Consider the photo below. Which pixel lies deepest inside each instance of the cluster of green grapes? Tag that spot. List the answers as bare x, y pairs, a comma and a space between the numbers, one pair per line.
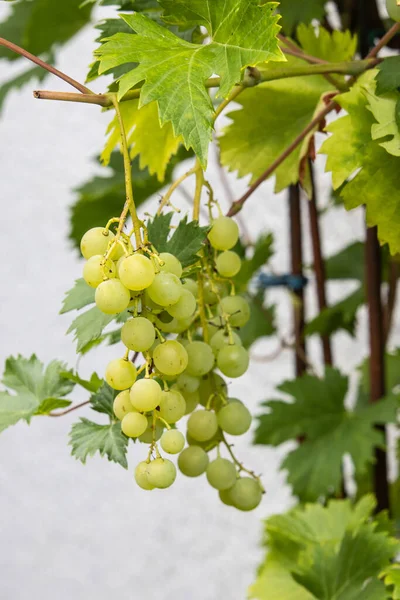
178, 375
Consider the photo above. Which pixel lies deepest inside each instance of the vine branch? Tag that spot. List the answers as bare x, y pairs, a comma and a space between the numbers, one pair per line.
68, 410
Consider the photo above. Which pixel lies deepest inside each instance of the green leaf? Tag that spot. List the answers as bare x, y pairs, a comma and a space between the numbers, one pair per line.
258, 133
91, 386
261, 322
331, 431
391, 577
295, 12
263, 250
384, 110
88, 327
38, 26
349, 263
87, 438
102, 401
335, 46
186, 241
367, 170
241, 34
77, 297
342, 315
392, 372
388, 76
37, 389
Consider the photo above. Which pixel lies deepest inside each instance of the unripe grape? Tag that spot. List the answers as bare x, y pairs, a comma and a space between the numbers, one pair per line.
96, 270
112, 297
188, 383
141, 476
171, 264
95, 241
210, 290
238, 308
224, 233
152, 306
221, 474
172, 406
212, 384
170, 358
166, 289
202, 425
246, 494
393, 8
234, 418
228, 264
173, 326
225, 497
185, 307
145, 395
122, 405
193, 461
138, 334
208, 444
233, 360
221, 339
192, 399
148, 436
161, 473
191, 285
200, 358
134, 424
136, 272
172, 441
120, 374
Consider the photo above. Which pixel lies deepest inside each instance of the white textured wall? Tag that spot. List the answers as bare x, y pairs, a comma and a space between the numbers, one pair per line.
73, 531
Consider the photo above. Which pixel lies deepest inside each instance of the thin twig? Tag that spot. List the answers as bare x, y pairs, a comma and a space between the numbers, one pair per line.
384, 40
44, 65
68, 410
240, 465
166, 198
99, 99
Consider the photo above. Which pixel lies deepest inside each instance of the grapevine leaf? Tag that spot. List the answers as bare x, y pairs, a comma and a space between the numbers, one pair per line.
159, 230
348, 263
367, 170
37, 389
391, 577
342, 315
392, 374
87, 438
261, 322
186, 241
51, 404
277, 583
258, 133
318, 413
295, 12
91, 385
146, 138
38, 26
384, 110
388, 76
241, 32
77, 297
88, 327
102, 400
263, 250
335, 46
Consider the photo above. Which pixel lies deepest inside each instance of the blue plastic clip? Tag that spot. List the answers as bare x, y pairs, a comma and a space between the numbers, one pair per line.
293, 282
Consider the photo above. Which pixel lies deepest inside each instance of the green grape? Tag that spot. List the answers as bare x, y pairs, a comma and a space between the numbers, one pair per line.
185, 307
172, 441
200, 358
171, 264
221, 339
193, 461
147, 436
141, 476
120, 374
233, 360
191, 285
153, 347
122, 405
96, 269
225, 497
202, 425
215, 325
170, 358
238, 308
136, 272
95, 241
212, 384
138, 334
161, 473
246, 494
211, 291
192, 400
152, 306
207, 445
393, 8
172, 406
166, 289
112, 297
145, 395
224, 233
234, 418
133, 424
173, 326
221, 474
228, 264
188, 383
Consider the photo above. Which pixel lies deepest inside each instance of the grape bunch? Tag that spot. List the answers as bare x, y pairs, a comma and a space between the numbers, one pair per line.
185, 326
